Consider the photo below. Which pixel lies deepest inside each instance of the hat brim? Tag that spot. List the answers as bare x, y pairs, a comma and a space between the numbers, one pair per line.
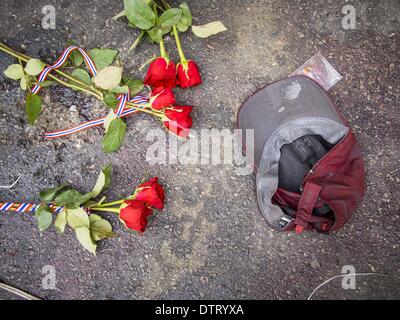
282, 101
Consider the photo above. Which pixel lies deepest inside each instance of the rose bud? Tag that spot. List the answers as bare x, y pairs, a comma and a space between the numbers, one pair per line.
188, 74
178, 120
151, 193
133, 215
161, 98
161, 73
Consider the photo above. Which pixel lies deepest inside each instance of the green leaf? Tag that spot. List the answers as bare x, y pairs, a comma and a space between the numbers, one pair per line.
108, 78
155, 34
61, 221
114, 136
100, 229
170, 17
34, 67
71, 198
48, 195
94, 217
186, 18
83, 235
107, 170
23, 83
77, 218
182, 27
81, 75
76, 58
209, 29
102, 57
103, 181
14, 71
135, 85
120, 89
186, 14
139, 13
110, 100
110, 117
33, 107
44, 217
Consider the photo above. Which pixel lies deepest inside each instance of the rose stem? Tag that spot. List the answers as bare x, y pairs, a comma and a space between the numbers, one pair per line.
110, 204
113, 210
166, 5
176, 35
179, 46
154, 113
159, 7
163, 52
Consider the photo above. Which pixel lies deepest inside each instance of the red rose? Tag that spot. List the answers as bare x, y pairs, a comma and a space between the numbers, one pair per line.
163, 97
188, 74
178, 120
134, 215
161, 73
151, 193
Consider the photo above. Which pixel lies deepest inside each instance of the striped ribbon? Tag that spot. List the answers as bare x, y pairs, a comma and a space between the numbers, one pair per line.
121, 111
26, 207
89, 63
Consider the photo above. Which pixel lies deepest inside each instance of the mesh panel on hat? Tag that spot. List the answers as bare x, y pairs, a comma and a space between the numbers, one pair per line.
267, 174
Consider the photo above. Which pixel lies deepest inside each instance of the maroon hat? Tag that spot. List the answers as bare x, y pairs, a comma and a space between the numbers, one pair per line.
309, 167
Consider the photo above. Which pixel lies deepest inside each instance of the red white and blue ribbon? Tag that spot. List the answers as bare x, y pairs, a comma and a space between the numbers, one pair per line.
121, 111
26, 207
89, 63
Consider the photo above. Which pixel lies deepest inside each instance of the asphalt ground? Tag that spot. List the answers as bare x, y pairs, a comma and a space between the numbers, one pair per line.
211, 241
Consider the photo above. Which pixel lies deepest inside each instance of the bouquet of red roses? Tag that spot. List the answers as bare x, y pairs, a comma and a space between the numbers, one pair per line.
163, 75
76, 210
102, 80
103, 77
